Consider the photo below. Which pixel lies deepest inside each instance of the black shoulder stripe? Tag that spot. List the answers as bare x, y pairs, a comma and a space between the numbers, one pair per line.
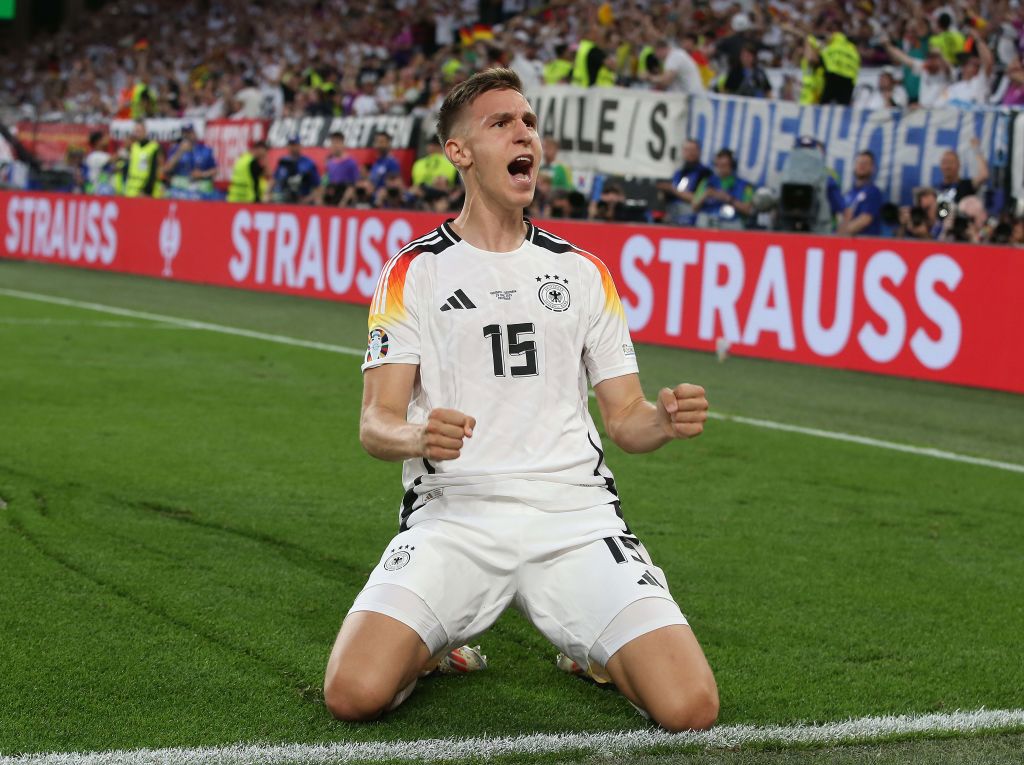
433, 242
551, 242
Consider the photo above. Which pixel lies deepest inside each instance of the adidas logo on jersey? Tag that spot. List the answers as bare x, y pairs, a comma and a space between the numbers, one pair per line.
458, 301
648, 578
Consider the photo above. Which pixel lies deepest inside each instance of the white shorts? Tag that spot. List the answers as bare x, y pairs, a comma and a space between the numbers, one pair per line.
570, 573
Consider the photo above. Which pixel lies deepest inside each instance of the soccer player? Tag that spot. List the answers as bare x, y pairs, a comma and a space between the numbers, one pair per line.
484, 334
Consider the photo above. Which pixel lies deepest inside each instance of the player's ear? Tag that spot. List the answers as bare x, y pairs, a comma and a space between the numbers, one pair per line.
458, 153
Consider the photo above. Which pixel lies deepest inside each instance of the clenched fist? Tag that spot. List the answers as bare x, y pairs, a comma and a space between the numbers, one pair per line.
444, 433
683, 410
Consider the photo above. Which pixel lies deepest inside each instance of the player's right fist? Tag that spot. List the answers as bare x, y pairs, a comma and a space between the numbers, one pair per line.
444, 433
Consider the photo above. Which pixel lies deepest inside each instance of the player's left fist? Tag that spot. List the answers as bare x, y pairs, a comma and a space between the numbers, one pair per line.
683, 410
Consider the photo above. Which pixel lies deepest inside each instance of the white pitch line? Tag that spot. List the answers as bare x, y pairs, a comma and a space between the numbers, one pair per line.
921, 451
190, 323
726, 737
47, 322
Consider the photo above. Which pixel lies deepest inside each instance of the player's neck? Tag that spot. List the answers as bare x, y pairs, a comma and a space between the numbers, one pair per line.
490, 228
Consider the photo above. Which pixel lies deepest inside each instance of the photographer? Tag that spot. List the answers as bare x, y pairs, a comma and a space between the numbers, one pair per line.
922, 220
723, 200
296, 179
968, 222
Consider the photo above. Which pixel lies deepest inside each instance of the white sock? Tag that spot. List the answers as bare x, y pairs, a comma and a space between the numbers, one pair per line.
401, 696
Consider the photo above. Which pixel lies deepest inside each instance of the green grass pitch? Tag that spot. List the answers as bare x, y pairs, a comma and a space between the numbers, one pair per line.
187, 515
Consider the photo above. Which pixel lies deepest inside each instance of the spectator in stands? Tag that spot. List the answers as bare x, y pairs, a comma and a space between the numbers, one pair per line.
933, 73
365, 103
97, 164
561, 175
248, 101
723, 200
296, 179
681, 190
141, 174
862, 204
974, 84
679, 73
914, 43
747, 78
247, 177
385, 165
526, 62
742, 31
953, 188
889, 94
841, 61
190, 167
341, 170
1013, 95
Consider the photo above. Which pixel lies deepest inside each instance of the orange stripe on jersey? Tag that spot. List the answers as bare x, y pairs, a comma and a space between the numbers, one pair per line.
388, 304
612, 304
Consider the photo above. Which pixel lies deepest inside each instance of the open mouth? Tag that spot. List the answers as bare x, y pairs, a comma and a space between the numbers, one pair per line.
521, 168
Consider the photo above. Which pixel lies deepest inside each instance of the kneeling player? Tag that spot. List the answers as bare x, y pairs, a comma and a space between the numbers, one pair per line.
484, 334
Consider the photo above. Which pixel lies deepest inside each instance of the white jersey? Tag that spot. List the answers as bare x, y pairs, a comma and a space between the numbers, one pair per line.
511, 339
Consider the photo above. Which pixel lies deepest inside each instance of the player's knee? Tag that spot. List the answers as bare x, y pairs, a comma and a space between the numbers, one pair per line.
696, 709
352, 699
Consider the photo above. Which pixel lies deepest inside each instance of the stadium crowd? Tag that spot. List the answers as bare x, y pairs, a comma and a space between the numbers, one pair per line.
215, 59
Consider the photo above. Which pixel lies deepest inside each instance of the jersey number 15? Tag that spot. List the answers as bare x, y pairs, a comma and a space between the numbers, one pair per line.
516, 347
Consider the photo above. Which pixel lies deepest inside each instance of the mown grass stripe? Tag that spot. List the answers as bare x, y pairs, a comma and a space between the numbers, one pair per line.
726, 737
921, 451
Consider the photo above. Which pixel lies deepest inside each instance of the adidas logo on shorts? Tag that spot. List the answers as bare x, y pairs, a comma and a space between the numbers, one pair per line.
458, 301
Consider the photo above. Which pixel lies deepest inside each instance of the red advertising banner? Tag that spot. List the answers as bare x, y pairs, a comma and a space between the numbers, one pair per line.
229, 140
928, 310
50, 141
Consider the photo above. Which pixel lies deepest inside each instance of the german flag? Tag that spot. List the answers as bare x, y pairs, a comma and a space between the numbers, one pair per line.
471, 34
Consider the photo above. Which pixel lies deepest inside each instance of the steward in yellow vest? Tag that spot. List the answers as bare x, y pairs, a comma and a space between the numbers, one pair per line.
558, 69
247, 182
589, 67
841, 60
142, 173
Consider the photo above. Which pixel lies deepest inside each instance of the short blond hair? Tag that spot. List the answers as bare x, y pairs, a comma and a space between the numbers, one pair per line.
466, 92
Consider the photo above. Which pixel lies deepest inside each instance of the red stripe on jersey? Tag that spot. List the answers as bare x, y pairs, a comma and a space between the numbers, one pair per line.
612, 304
389, 299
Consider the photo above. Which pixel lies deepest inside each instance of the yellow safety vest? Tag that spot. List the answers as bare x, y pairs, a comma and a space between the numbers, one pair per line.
241, 188
841, 57
812, 82
141, 158
580, 74
950, 43
556, 70
138, 107
426, 169
605, 77
643, 61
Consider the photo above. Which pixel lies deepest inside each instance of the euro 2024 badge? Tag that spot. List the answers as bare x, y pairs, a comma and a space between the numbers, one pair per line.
554, 292
170, 239
377, 345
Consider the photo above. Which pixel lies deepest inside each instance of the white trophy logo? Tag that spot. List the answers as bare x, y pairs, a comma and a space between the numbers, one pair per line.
170, 239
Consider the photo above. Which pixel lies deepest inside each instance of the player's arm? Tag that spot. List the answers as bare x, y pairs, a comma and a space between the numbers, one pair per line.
636, 425
385, 432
